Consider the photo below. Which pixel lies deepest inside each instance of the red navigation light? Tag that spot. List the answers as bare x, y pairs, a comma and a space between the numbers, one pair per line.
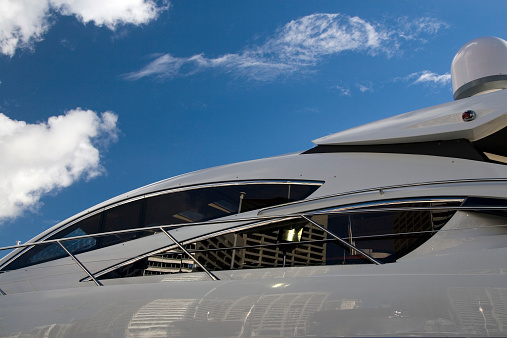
468, 116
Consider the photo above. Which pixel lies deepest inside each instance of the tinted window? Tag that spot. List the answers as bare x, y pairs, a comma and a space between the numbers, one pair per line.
47, 252
125, 216
199, 204
385, 236
205, 204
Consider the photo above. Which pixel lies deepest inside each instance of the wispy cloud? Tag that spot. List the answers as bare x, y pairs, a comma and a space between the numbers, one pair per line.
298, 46
418, 28
428, 77
344, 90
24, 22
366, 86
305, 41
40, 158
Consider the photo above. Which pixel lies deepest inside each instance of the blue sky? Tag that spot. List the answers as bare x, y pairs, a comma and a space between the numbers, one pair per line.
98, 97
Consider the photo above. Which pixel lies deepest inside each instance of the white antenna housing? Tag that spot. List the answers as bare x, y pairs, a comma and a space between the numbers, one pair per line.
480, 66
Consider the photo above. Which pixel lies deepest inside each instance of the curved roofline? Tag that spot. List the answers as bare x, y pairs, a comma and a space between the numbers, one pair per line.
437, 123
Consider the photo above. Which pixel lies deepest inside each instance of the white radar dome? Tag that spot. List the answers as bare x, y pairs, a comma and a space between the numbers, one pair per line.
480, 66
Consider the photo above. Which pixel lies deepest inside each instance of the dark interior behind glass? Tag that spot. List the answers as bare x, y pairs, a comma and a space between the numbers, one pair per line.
384, 235
192, 205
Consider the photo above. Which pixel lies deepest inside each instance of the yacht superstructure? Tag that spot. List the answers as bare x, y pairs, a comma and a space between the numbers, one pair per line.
394, 228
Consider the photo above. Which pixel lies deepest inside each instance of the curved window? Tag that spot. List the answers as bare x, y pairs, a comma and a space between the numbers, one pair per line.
44, 253
385, 235
171, 207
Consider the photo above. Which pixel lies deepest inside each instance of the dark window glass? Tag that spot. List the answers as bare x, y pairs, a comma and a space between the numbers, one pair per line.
193, 205
122, 217
384, 236
47, 252
208, 203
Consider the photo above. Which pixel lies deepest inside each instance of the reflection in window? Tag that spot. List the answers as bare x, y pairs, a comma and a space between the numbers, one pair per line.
384, 235
199, 205
125, 216
183, 206
47, 252
74, 246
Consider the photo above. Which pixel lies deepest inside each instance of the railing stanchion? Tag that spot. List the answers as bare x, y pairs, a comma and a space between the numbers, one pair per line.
342, 241
189, 255
80, 265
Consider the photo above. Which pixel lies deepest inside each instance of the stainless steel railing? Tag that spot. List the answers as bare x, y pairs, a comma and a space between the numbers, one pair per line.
164, 230
254, 221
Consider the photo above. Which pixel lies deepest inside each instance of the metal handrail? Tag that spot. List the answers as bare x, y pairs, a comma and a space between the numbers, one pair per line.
259, 216
342, 240
80, 216
165, 249
156, 227
161, 228
254, 219
245, 219
188, 253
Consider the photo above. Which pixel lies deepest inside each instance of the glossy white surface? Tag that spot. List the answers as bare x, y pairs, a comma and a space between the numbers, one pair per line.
479, 58
442, 122
463, 295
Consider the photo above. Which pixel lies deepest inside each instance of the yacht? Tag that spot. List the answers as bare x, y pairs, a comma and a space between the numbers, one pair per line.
394, 228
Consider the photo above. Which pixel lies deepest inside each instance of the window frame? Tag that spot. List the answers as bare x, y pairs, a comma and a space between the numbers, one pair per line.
144, 198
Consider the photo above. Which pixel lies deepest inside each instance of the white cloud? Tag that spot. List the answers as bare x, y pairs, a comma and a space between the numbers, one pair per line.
365, 86
343, 90
307, 40
427, 77
297, 46
110, 13
44, 157
24, 22
415, 28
